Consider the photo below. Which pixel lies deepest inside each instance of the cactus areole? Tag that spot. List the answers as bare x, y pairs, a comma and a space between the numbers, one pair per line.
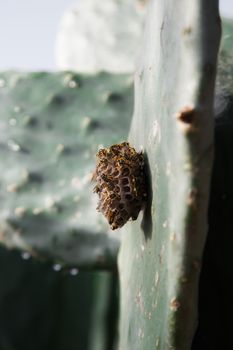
120, 185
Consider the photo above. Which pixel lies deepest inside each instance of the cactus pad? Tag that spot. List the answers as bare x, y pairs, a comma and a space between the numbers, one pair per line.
51, 126
161, 252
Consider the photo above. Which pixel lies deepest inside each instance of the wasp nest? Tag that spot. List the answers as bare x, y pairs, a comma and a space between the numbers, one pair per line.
120, 183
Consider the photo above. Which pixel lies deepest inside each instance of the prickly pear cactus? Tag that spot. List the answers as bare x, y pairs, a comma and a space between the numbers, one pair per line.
227, 33
51, 128
160, 255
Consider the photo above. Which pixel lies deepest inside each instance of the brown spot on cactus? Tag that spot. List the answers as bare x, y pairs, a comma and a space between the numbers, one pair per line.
186, 115
192, 198
174, 304
187, 30
120, 183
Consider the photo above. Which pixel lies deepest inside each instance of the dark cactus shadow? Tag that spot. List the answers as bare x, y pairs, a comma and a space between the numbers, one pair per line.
147, 224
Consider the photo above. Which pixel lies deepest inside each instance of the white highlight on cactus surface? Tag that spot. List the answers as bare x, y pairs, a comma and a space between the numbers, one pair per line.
60, 148
37, 211
77, 215
76, 199
13, 146
61, 183
155, 304
155, 134
57, 267
80, 183
141, 148
49, 202
174, 304
74, 271
25, 255
12, 188
12, 122
68, 78
76, 182
140, 333
168, 168
86, 122
17, 109
156, 278
20, 211
173, 237
72, 84
87, 154
2, 83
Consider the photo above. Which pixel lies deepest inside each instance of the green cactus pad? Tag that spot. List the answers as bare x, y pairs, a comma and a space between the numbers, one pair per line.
160, 255
51, 128
227, 34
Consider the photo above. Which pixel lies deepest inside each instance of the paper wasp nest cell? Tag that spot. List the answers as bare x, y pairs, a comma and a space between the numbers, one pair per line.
120, 185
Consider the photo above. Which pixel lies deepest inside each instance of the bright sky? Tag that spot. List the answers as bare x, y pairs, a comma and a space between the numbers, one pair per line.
28, 29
